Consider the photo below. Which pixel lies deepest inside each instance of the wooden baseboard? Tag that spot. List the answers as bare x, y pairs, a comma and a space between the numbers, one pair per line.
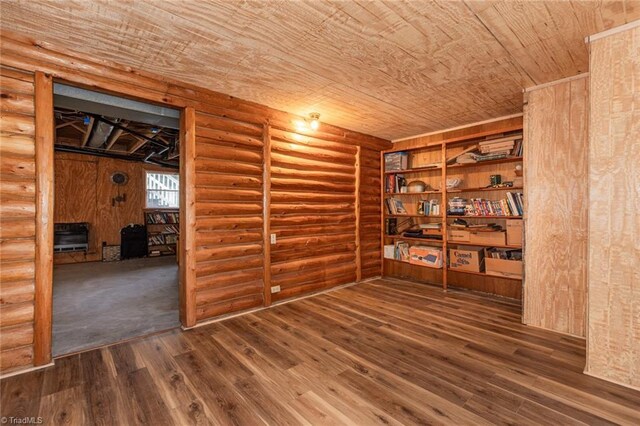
26, 370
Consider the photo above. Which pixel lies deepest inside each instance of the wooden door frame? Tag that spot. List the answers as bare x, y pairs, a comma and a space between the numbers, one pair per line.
44, 159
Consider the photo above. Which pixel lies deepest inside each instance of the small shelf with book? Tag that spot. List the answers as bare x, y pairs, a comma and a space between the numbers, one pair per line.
481, 176
163, 230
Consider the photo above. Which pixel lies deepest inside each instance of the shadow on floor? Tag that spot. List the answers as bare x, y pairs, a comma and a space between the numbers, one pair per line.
99, 303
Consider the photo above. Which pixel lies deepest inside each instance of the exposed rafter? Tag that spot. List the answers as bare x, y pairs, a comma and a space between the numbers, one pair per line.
115, 135
87, 132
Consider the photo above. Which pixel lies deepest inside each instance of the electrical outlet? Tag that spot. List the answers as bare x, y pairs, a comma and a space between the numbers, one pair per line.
275, 289
273, 240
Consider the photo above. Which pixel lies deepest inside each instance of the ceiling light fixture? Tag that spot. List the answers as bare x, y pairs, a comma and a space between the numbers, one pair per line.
314, 120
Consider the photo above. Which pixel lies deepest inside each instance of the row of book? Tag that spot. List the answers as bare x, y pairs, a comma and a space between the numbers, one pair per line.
511, 205
171, 229
162, 239
429, 207
393, 183
394, 206
162, 217
494, 149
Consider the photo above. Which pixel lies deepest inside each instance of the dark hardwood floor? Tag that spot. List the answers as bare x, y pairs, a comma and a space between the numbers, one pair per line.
387, 352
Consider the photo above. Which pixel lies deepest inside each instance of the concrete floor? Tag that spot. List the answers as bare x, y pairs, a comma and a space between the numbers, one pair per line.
99, 303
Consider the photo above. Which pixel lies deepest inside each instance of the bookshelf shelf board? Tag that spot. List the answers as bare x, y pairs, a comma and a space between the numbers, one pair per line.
483, 163
409, 263
484, 217
505, 188
484, 274
422, 240
412, 193
463, 243
413, 215
413, 170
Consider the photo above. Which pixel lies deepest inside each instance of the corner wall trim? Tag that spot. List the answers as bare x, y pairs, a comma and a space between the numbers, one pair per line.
553, 83
464, 126
615, 30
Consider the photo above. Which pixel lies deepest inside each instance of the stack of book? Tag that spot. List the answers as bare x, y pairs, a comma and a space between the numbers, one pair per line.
401, 251
394, 206
393, 183
396, 161
492, 149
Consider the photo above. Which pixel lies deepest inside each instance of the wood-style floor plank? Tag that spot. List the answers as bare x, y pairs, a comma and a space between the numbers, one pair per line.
386, 352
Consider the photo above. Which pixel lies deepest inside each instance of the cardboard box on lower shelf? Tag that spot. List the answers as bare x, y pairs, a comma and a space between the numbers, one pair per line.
425, 256
467, 258
514, 232
503, 267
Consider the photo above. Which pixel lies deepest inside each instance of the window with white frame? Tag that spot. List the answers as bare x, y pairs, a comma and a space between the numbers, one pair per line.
163, 190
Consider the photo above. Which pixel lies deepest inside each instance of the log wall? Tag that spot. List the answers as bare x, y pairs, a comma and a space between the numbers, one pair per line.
613, 328
370, 213
313, 214
313, 180
556, 193
17, 218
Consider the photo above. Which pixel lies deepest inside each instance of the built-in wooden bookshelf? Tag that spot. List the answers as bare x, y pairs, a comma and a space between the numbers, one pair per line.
163, 228
475, 184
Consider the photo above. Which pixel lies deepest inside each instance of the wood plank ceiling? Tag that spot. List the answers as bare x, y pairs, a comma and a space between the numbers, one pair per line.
387, 68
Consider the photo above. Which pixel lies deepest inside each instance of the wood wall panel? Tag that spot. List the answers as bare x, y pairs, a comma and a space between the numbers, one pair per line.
370, 212
556, 193
229, 259
613, 333
231, 117
17, 218
313, 186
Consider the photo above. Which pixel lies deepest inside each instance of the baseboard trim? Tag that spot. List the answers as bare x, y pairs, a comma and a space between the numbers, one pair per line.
282, 302
26, 370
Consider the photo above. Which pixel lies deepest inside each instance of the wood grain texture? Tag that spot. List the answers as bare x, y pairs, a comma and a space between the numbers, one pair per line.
370, 214
188, 237
17, 219
44, 139
215, 294
556, 193
384, 352
613, 329
373, 66
300, 258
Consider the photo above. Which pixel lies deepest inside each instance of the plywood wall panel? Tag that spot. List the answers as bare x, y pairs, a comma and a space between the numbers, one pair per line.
556, 193
17, 218
613, 336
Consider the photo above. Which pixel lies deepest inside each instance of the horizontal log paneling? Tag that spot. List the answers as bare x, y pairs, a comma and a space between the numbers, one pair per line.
370, 212
313, 212
17, 222
229, 246
230, 131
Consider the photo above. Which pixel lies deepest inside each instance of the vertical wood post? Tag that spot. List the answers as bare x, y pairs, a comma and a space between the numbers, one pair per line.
266, 211
358, 247
443, 213
44, 140
187, 217
383, 229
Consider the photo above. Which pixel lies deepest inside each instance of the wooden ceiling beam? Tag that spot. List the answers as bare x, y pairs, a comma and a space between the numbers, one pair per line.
114, 136
67, 123
87, 132
142, 141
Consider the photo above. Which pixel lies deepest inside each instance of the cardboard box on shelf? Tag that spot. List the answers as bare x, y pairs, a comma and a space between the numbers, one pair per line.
489, 238
514, 232
467, 258
458, 235
503, 267
425, 256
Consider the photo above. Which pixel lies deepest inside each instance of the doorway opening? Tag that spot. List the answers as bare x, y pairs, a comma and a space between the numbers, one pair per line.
117, 215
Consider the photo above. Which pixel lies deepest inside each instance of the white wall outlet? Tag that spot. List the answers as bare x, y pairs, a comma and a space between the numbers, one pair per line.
275, 289
273, 238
